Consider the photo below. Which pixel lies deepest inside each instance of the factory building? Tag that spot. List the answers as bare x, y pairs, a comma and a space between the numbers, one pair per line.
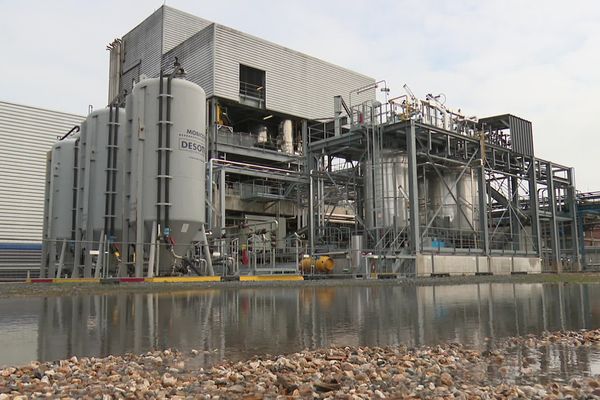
222, 153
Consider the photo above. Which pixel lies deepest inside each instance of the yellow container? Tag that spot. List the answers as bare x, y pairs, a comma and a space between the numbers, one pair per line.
325, 264
306, 263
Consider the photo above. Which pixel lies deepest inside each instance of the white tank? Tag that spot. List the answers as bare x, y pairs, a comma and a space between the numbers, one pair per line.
105, 151
62, 183
386, 191
262, 134
182, 188
287, 137
453, 198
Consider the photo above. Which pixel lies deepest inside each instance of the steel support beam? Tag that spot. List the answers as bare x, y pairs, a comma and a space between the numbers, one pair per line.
554, 239
515, 223
483, 214
572, 199
413, 191
534, 207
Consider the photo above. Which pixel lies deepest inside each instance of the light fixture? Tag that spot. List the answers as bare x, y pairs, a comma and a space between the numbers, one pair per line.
268, 117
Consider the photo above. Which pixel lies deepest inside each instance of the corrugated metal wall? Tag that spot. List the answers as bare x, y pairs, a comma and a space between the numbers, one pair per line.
196, 57
179, 26
26, 135
296, 84
142, 50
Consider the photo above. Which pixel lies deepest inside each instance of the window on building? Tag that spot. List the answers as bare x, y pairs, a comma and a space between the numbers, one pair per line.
252, 86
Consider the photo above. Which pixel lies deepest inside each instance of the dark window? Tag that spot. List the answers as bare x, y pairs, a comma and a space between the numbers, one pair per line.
252, 86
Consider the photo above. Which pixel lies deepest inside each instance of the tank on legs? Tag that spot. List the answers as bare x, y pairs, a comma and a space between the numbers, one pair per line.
61, 205
104, 157
386, 191
168, 161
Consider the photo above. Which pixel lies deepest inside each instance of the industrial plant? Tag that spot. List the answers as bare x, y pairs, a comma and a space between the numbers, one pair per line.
222, 154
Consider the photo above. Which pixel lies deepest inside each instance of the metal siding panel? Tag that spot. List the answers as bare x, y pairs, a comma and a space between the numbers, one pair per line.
179, 26
26, 135
522, 135
296, 83
143, 44
196, 57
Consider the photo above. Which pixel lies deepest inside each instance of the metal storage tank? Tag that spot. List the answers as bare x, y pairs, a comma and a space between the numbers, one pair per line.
168, 161
61, 199
102, 179
386, 186
452, 198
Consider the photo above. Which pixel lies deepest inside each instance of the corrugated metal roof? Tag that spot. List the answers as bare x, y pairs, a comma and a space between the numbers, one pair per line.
26, 135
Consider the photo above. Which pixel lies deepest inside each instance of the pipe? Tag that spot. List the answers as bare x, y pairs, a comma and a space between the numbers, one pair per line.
207, 255
160, 151
176, 70
114, 171
107, 195
75, 128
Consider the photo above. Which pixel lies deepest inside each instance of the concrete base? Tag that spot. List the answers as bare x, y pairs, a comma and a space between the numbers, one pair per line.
437, 264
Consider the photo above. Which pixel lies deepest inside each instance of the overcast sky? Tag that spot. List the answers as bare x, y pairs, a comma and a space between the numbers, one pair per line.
539, 60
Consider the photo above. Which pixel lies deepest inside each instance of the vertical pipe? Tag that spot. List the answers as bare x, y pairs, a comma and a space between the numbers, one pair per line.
168, 147
151, 257
160, 152
100, 258
115, 151
88, 235
483, 215
108, 174
222, 200
139, 195
311, 213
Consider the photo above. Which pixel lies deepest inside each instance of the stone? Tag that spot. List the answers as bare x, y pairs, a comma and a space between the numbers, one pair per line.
168, 380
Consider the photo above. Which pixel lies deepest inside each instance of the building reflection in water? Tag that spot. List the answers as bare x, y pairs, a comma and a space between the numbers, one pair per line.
239, 323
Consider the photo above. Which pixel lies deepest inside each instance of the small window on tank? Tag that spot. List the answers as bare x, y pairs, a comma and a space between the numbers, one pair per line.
252, 86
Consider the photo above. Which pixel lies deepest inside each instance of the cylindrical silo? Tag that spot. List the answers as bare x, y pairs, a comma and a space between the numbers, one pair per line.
105, 153
386, 191
454, 194
168, 160
61, 200
100, 187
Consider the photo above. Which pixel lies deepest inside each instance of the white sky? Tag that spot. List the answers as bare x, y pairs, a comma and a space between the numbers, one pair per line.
539, 60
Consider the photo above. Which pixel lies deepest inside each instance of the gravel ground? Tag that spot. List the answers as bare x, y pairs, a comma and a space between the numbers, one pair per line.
440, 372
41, 289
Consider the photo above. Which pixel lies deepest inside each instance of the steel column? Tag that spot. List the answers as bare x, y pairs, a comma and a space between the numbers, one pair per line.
555, 243
534, 207
413, 191
572, 199
515, 224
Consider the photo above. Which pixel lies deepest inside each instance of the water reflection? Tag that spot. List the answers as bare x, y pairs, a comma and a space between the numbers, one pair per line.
238, 323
